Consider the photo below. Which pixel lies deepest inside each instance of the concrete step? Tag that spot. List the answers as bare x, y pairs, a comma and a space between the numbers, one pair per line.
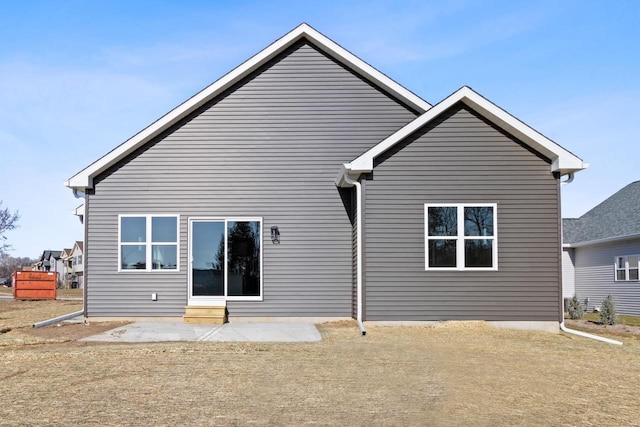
205, 315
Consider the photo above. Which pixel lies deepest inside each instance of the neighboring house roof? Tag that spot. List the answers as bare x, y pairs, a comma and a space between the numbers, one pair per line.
79, 244
66, 253
84, 179
562, 160
618, 217
45, 255
570, 230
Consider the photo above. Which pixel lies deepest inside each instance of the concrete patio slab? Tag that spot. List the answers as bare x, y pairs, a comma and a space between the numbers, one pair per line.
265, 332
237, 332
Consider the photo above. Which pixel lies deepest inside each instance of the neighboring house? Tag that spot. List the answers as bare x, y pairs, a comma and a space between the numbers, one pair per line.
44, 263
55, 264
307, 184
67, 267
50, 261
601, 252
77, 265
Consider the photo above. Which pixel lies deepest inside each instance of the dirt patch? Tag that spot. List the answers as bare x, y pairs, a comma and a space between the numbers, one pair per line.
435, 375
17, 314
597, 328
442, 374
71, 331
17, 319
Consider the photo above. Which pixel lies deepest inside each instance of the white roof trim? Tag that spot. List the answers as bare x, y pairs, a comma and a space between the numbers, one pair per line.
79, 211
84, 179
562, 160
601, 241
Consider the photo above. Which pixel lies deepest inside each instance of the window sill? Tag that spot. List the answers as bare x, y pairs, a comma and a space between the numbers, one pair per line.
136, 271
461, 269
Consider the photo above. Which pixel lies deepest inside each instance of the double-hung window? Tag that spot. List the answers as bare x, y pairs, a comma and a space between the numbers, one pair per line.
461, 236
148, 242
626, 267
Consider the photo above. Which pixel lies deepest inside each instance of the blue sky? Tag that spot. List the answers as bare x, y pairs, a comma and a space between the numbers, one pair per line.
77, 78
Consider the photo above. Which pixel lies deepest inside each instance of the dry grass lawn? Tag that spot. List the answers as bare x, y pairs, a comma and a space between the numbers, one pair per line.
450, 374
60, 293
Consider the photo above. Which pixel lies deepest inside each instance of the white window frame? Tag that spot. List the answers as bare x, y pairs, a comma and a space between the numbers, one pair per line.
148, 243
626, 268
460, 237
194, 300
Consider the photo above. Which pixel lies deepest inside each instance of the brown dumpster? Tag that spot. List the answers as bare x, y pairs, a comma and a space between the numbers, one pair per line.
34, 285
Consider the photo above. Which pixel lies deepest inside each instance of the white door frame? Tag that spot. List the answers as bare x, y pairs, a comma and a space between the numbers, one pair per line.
219, 300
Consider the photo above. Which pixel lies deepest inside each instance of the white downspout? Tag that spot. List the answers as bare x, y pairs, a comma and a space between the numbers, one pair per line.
584, 334
357, 184
562, 325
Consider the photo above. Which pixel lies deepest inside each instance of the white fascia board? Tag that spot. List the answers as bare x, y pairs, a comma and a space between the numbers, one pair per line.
562, 160
84, 178
79, 211
346, 171
601, 241
340, 181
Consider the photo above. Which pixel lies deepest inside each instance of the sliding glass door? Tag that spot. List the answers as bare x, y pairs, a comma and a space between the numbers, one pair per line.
226, 259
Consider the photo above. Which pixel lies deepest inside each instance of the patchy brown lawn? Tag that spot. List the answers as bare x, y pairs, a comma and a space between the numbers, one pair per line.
447, 374
17, 319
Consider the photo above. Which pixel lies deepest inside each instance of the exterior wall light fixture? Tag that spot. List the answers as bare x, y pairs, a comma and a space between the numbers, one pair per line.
275, 234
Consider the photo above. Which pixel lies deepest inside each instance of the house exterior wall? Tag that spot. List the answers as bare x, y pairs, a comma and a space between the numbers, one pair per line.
78, 265
568, 273
271, 148
67, 269
460, 158
594, 273
57, 265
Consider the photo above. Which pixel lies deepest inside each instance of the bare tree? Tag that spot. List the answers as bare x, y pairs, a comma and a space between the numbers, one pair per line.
8, 221
9, 264
482, 220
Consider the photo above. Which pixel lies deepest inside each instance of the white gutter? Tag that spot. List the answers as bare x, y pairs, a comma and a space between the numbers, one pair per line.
599, 241
562, 325
569, 179
357, 184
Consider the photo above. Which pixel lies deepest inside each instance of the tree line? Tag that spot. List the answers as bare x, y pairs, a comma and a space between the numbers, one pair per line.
9, 264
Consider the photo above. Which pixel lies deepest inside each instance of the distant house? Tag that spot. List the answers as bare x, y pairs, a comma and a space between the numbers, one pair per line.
67, 267
56, 264
77, 265
601, 252
50, 260
47, 261
307, 184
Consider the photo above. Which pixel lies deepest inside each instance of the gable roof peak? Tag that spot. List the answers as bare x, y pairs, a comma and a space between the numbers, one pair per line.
84, 179
563, 161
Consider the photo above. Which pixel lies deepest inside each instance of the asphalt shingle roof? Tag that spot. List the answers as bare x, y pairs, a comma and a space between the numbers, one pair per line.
617, 216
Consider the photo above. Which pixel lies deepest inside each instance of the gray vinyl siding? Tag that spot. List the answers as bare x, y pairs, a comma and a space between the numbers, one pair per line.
460, 158
271, 148
568, 273
594, 266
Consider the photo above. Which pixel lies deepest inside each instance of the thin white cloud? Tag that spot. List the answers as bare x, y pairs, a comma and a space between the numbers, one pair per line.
418, 34
598, 129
